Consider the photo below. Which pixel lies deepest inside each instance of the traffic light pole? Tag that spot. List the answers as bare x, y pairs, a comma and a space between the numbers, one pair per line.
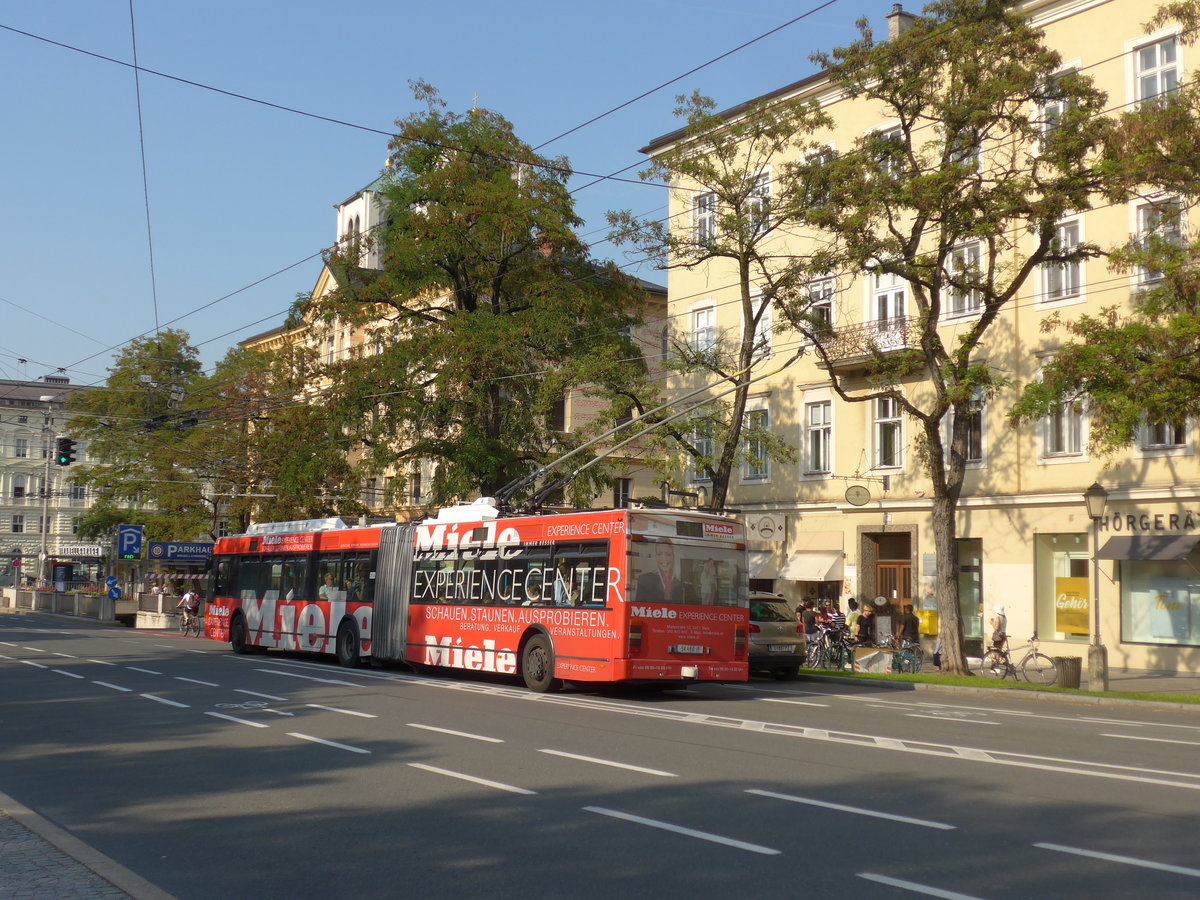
44, 558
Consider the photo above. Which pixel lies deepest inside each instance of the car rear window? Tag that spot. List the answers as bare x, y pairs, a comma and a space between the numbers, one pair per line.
762, 611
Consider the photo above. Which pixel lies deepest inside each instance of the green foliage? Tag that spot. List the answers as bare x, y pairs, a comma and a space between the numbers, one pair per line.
734, 161
487, 311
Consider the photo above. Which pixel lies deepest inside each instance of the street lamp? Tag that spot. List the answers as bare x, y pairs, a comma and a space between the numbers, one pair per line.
1095, 498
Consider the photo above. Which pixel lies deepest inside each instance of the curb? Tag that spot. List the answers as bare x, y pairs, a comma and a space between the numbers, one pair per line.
137, 887
1038, 696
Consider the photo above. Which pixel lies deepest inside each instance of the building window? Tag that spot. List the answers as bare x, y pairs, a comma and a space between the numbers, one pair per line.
704, 331
18, 487
1161, 220
704, 217
22, 448
963, 268
22, 420
974, 416
622, 492
887, 433
75, 525
78, 492
704, 445
758, 202
889, 299
820, 306
888, 147
1157, 69
819, 419
1160, 601
1164, 436
1062, 278
757, 424
1063, 430
556, 418
1054, 107
18, 524
664, 342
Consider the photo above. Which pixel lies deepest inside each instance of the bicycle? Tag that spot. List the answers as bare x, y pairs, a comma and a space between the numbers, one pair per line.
189, 623
1036, 667
908, 657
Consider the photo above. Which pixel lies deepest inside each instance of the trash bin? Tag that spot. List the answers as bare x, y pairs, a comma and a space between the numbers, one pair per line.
1068, 670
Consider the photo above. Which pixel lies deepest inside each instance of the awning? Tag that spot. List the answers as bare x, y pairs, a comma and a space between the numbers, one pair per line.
762, 564
1148, 546
813, 565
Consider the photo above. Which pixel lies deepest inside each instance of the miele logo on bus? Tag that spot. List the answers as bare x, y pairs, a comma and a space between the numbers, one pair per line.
489, 536
719, 529
653, 612
299, 541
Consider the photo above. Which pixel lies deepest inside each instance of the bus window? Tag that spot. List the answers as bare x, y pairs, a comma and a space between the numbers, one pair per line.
294, 578
226, 577
361, 579
666, 572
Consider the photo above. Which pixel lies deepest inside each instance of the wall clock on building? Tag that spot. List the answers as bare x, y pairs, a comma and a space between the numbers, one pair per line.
857, 494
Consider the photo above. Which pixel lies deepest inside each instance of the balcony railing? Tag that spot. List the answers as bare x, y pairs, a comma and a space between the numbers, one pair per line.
854, 346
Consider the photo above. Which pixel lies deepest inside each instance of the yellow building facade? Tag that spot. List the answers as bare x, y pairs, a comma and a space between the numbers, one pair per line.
852, 517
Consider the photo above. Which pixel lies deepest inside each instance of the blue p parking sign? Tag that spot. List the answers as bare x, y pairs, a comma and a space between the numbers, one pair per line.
129, 542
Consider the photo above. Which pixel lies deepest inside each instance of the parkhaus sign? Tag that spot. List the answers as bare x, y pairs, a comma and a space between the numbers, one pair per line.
179, 552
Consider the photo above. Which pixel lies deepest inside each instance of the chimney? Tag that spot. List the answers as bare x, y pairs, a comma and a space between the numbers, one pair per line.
899, 21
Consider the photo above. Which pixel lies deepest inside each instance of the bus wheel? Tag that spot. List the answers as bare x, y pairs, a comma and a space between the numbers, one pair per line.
347, 645
237, 635
537, 665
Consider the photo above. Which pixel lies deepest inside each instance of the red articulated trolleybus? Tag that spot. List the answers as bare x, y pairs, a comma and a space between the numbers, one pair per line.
604, 596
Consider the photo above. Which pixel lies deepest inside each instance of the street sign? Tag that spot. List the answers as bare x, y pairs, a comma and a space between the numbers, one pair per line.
179, 552
129, 542
91, 551
110, 581
114, 594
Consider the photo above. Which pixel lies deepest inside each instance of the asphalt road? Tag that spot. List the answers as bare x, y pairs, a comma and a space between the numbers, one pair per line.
213, 775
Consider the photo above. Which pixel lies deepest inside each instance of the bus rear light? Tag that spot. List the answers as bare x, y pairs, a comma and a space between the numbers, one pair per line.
635, 637
739, 642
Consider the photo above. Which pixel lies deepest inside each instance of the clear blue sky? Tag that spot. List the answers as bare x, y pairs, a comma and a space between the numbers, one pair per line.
238, 191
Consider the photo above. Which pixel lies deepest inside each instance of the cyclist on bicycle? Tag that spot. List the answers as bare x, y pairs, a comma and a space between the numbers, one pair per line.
999, 623
189, 603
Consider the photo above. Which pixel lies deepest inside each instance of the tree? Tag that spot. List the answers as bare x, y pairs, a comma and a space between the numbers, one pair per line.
721, 168
956, 205
174, 449
1138, 366
486, 313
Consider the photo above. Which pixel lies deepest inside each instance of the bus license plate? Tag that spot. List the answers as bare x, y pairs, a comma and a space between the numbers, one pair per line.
783, 648
688, 648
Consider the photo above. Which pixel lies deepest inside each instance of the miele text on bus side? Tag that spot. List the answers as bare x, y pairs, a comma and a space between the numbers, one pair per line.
299, 625
488, 536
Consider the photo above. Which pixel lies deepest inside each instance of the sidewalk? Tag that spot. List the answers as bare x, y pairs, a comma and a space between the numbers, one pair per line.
40, 861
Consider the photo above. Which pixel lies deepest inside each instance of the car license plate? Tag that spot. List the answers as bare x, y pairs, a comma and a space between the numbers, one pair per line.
688, 648
783, 648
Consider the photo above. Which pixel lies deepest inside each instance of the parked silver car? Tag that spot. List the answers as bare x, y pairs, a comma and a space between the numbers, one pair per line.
776, 638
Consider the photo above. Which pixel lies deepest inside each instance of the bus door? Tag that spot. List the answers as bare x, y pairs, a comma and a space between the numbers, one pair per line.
393, 582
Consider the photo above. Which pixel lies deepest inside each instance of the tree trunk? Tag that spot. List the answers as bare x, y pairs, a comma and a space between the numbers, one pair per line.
950, 629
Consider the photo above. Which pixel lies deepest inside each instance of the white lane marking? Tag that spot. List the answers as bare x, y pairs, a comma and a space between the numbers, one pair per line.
688, 832
1139, 737
217, 715
1132, 724
196, 681
335, 744
102, 662
68, 674
115, 687
146, 671
793, 702
309, 677
609, 762
345, 712
856, 810
257, 694
190, 650
916, 888
36, 665
165, 700
951, 719
1127, 860
987, 709
35, 649
8, 643
277, 712
500, 786
466, 734
66, 655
